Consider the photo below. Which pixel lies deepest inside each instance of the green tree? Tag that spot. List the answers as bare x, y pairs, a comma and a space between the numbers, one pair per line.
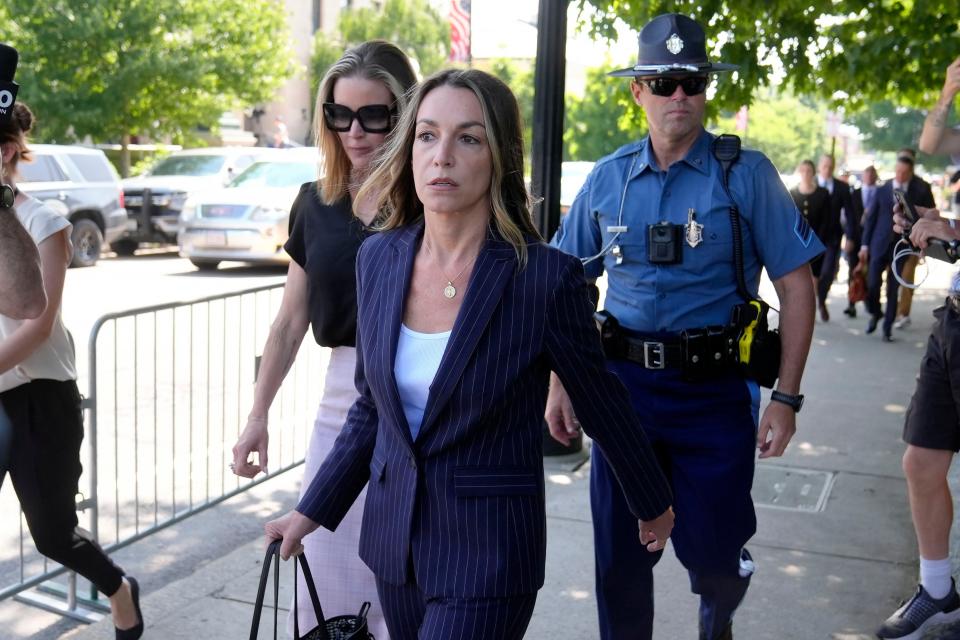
785, 128
413, 25
113, 70
849, 51
603, 119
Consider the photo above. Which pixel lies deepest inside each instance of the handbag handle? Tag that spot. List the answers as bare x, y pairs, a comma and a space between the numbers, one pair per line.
273, 551
314, 599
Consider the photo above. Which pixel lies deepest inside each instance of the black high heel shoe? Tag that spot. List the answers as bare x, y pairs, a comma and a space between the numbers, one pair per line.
133, 633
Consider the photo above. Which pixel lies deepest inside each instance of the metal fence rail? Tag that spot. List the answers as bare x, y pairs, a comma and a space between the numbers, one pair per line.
169, 390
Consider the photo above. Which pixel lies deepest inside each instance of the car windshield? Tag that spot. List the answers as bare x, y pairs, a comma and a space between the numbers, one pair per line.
276, 174
192, 165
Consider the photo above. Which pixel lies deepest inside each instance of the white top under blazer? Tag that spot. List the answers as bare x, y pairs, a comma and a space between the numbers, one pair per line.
418, 359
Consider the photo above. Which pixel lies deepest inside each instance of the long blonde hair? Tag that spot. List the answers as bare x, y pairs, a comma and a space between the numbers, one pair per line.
376, 60
391, 185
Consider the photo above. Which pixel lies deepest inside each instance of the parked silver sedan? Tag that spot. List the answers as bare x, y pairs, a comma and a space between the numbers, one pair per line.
248, 220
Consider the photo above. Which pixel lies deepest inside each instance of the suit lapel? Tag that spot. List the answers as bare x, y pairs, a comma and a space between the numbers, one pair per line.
398, 279
494, 268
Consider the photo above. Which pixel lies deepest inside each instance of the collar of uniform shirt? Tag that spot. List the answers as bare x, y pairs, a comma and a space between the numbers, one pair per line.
697, 156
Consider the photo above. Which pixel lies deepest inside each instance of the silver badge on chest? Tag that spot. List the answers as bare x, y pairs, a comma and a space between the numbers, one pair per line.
693, 230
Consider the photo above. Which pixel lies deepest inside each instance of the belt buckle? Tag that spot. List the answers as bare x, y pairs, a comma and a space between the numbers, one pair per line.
653, 355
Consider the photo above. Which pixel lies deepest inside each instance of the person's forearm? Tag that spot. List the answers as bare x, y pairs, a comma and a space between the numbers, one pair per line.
21, 284
796, 294
935, 126
279, 353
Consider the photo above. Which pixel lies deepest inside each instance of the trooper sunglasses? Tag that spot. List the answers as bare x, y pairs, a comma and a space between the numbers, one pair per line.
665, 86
373, 118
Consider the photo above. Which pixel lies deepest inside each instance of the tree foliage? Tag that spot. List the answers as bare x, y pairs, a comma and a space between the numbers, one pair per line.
115, 69
849, 51
603, 119
413, 25
785, 128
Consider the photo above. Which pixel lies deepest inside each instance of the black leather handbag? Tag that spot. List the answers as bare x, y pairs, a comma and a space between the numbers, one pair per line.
349, 627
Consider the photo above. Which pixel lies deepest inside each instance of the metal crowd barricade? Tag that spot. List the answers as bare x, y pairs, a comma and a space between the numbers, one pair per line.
170, 387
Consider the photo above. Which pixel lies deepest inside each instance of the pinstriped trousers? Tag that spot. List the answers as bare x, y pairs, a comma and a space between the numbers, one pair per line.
412, 616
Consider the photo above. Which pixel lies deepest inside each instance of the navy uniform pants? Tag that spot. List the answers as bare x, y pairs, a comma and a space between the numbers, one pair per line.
704, 435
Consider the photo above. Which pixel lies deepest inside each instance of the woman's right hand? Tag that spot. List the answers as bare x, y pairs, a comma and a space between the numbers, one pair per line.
253, 439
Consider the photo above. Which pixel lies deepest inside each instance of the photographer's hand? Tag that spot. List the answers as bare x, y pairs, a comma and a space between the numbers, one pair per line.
927, 229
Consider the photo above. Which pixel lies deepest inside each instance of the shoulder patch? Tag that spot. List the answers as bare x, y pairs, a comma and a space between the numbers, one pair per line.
801, 228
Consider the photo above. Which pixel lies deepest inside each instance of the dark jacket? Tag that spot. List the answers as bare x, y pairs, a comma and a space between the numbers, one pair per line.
463, 504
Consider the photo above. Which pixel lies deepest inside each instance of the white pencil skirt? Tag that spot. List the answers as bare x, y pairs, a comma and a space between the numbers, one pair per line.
343, 581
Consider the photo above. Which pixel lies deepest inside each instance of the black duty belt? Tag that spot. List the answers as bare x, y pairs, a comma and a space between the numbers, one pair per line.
653, 354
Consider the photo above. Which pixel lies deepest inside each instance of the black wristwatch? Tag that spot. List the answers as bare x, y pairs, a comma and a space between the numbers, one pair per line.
795, 402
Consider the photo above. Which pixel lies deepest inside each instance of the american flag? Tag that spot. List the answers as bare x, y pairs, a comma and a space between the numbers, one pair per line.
459, 30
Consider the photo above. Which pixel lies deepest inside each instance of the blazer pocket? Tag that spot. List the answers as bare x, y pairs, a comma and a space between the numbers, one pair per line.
377, 468
494, 481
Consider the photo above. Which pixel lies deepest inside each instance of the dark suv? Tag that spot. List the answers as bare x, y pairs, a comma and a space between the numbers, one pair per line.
156, 198
80, 184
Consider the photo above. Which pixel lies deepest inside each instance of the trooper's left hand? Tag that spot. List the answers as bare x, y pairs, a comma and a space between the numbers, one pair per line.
777, 426
292, 528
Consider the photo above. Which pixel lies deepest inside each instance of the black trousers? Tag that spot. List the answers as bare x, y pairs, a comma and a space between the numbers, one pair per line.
879, 265
828, 270
45, 467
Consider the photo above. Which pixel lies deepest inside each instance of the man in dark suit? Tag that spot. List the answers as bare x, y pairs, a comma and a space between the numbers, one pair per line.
860, 201
876, 245
923, 196
839, 223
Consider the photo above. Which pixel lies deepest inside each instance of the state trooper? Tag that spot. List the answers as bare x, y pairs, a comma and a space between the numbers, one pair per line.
683, 222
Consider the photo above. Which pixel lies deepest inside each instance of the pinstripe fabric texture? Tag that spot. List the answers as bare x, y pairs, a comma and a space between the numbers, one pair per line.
413, 617
467, 498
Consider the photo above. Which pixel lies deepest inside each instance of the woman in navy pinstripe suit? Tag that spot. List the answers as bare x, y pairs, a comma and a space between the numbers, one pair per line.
463, 312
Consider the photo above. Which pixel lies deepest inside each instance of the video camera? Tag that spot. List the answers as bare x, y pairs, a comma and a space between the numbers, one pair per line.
937, 248
8, 96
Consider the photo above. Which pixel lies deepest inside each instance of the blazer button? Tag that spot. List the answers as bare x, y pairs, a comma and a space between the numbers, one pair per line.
413, 463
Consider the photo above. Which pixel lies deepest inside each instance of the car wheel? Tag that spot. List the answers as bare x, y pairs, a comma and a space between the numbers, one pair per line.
124, 246
205, 265
87, 243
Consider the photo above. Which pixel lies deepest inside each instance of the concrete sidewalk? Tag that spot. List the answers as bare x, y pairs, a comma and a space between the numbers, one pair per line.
834, 573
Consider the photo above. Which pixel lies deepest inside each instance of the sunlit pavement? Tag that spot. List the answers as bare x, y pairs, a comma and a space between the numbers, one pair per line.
833, 573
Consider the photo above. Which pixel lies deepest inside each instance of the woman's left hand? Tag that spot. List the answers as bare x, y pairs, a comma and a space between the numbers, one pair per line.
291, 528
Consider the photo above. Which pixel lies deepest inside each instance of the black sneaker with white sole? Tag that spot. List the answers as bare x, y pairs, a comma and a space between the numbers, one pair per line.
921, 612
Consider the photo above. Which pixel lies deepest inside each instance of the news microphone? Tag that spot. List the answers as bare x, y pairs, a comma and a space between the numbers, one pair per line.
8, 88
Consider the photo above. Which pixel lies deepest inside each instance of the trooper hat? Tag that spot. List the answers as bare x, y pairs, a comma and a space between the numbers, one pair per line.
672, 44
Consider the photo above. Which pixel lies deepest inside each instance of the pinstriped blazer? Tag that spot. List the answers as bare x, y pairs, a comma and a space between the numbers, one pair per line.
463, 505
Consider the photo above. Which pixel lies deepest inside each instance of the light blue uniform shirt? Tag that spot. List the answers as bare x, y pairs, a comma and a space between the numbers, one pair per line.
702, 289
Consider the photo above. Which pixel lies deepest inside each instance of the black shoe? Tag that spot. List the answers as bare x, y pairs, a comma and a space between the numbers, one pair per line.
851, 311
135, 632
824, 312
726, 635
887, 337
872, 323
909, 621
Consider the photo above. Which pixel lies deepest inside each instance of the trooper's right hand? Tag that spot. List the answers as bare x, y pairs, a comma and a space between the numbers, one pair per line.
655, 533
253, 439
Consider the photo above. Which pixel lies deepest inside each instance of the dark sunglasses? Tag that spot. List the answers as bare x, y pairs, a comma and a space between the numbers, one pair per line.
373, 118
665, 87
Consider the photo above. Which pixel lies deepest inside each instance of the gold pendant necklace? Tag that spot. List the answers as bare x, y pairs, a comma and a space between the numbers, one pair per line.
449, 291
